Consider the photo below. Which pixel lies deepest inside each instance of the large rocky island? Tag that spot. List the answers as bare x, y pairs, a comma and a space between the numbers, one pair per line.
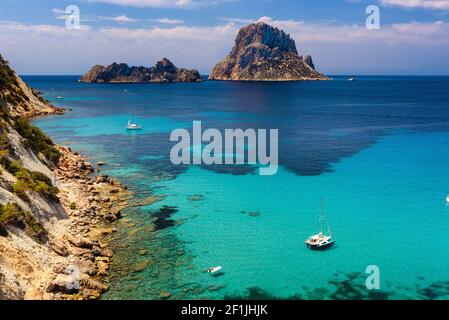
265, 53
163, 72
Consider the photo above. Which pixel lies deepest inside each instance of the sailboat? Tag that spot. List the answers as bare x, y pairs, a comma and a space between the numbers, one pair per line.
321, 241
133, 126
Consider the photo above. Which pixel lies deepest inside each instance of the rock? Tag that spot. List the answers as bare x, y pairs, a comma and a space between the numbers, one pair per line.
163, 72
102, 231
59, 268
309, 62
264, 53
91, 294
214, 288
60, 248
80, 241
196, 197
63, 283
88, 267
102, 178
143, 252
96, 251
148, 201
254, 214
91, 283
141, 266
3, 231
165, 295
102, 268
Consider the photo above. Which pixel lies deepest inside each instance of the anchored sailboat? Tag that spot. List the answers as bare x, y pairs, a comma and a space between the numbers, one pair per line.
132, 125
321, 240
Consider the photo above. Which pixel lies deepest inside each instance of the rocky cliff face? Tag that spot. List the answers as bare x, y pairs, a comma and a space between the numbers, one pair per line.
265, 53
47, 208
19, 98
163, 72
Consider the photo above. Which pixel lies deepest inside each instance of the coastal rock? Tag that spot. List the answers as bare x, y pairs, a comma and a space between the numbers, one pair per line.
265, 53
62, 283
80, 242
60, 248
163, 72
308, 60
165, 295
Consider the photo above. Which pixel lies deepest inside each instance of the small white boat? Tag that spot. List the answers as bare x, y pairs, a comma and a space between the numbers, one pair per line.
321, 241
351, 79
447, 198
133, 126
59, 97
214, 271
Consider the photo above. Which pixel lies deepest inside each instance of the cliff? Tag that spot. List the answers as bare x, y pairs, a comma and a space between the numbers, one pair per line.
264, 53
48, 214
163, 72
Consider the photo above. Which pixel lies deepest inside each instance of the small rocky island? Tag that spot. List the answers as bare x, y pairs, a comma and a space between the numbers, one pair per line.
265, 53
163, 72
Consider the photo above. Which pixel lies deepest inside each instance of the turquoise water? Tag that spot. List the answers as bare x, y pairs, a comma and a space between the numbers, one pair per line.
379, 156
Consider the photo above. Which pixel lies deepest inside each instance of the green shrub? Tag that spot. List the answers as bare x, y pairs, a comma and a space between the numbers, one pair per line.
73, 206
20, 187
12, 214
34, 181
11, 166
36, 139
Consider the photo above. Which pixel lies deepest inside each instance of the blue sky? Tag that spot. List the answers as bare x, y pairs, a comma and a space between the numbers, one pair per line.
413, 37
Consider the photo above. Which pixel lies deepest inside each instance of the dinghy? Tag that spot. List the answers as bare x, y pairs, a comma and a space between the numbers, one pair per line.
214, 271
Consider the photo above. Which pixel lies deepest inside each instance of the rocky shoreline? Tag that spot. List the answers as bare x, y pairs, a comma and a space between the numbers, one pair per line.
92, 203
55, 210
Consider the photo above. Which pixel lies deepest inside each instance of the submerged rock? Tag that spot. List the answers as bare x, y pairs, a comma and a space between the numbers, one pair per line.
265, 53
165, 295
196, 197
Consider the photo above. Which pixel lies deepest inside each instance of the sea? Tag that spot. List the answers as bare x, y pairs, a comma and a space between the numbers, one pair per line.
376, 150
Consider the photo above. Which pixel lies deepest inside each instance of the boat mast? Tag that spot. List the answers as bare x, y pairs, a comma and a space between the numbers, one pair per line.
321, 215
325, 218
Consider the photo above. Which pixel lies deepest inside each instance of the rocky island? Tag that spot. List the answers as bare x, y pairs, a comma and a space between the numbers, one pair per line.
163, 72
54, 212
264, 53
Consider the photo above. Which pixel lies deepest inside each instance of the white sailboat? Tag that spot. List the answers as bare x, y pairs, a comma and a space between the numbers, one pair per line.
321, 240
132, 125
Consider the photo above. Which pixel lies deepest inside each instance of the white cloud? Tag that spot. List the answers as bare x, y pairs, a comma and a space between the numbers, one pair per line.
159, 3
168, 21
121, 18
427, 4
397, 48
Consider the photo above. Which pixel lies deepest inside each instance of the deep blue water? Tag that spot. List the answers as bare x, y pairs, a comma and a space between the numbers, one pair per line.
375, 148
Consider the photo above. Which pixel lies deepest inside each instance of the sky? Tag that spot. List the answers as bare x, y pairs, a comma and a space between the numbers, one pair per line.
413, 38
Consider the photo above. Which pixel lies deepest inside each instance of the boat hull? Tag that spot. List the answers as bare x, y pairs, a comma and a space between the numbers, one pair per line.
323, 246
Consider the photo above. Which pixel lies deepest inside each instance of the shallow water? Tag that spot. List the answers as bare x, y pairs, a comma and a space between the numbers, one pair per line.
376, 149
